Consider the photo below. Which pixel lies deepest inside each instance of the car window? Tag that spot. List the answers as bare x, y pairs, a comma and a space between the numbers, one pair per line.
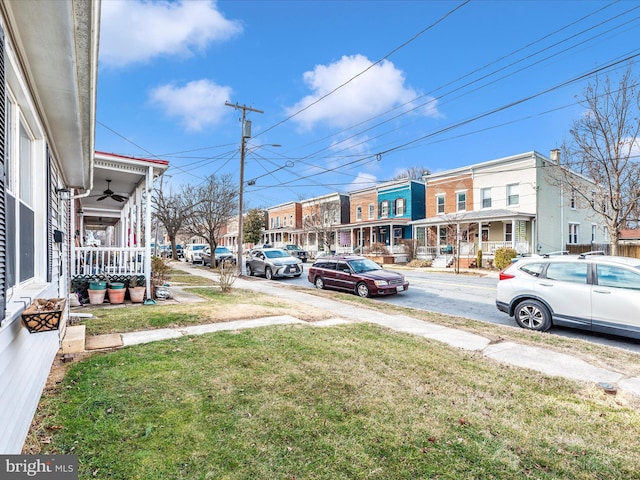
610, 276
534, 269
326, 264
276, 254
575, 272
222, 250
198, 247
364, 265
343, 267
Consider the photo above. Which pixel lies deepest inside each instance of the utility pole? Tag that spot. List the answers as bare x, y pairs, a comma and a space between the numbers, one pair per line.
246, 133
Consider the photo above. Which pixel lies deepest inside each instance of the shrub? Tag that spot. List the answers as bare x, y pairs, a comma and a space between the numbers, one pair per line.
159, 271
227, 274
502, 257
377, 249
479, 259
420, 263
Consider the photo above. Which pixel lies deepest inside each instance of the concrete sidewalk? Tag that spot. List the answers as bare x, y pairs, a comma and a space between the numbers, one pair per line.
535, 358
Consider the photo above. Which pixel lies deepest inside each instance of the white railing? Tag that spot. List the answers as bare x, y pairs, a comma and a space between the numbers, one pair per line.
491, 247
108, 261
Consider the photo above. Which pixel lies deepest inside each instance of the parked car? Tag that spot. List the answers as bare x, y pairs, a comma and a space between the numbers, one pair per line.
356, 274
297, 251
193, 252
591, 292
272, 263
179, 251
220, 255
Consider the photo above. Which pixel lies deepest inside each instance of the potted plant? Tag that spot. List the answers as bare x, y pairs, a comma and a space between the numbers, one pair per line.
136, 289
97, 290
159, 277
116, 292
44, 314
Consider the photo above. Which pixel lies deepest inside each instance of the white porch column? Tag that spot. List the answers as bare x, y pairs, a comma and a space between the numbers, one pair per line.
513, 234
479, 237
147, 231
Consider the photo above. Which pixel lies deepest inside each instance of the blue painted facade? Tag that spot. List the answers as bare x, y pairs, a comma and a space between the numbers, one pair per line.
405, 201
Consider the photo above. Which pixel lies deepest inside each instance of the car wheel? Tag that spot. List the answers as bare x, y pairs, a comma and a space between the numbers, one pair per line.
268, 273
249, 270
362, 290
319, 283
297, 275
533, 315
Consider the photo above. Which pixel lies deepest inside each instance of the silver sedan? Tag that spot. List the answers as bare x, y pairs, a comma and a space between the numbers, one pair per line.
272, 263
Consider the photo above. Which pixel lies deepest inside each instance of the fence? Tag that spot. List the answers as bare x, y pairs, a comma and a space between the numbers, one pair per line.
632, 251
108, 260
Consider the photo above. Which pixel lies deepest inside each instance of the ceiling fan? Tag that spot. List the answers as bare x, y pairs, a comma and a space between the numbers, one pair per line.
108, 193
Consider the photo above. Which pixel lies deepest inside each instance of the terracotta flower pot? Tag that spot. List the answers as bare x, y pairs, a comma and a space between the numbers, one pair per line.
96, 297
116, 295
136, 294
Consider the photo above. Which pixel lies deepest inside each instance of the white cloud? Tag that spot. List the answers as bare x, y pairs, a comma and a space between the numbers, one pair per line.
376, 91
363, 180
138, 31
198, 104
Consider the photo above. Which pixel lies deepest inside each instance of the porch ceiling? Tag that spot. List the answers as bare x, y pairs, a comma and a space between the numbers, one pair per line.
498, 215
125, 174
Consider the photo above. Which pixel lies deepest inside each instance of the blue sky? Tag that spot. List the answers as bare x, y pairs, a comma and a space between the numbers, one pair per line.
353, 91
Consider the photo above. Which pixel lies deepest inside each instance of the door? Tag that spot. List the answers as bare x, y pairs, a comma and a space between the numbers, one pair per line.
616, 299
566, 290
344, 279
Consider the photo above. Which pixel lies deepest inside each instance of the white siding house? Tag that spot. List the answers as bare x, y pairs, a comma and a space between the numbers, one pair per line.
509, 202
47, 117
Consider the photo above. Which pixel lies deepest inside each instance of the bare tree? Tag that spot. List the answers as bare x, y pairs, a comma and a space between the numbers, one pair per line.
603, 147
171, 211
412, 173
215, 202
321, 219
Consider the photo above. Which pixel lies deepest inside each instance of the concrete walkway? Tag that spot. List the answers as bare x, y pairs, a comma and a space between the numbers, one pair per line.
534, 358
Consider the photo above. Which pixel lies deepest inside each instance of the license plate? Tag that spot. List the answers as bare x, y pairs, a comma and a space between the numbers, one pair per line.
399, 289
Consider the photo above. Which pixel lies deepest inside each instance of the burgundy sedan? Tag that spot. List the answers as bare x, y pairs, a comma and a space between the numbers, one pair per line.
356, 274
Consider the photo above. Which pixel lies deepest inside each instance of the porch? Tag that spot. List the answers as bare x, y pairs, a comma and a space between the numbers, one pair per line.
112, 222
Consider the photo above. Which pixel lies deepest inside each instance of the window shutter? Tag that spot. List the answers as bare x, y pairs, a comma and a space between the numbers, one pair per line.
3, 162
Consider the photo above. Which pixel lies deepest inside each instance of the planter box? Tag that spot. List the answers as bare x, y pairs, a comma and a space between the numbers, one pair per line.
44, 315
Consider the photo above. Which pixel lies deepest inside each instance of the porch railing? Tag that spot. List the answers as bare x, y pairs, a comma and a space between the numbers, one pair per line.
108, 261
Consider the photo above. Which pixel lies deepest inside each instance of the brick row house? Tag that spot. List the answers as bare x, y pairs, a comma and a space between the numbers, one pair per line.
516, 202
511, 202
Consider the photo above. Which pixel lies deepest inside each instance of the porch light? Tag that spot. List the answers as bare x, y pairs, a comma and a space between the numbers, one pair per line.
63, 193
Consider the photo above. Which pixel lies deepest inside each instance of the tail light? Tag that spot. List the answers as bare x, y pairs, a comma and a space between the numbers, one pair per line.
505, 276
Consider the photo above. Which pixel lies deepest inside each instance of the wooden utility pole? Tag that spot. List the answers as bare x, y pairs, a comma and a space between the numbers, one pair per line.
246, 133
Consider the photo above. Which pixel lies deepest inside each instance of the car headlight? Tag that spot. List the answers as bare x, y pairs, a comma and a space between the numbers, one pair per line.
381, 283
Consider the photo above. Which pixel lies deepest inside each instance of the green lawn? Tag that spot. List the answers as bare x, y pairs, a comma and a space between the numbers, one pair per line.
349, 402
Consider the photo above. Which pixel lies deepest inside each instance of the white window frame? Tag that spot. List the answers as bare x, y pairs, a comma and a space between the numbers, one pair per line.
574, 233
573, 199
372, 211
463, 202
594, 230
358, 213
438, 204
401, 207
384, 209
513, 199
484, 197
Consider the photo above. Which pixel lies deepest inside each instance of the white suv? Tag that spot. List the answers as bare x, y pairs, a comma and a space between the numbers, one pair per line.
591, 292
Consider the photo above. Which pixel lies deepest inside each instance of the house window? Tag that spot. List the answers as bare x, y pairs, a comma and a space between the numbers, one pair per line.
461, 201
573, 233
439, 203
20, 215
358, 213
513, 194
284, 220
384, 209
291, 220
594, 229
485, 195
508, 232
401, 207
572, 200
371, 211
